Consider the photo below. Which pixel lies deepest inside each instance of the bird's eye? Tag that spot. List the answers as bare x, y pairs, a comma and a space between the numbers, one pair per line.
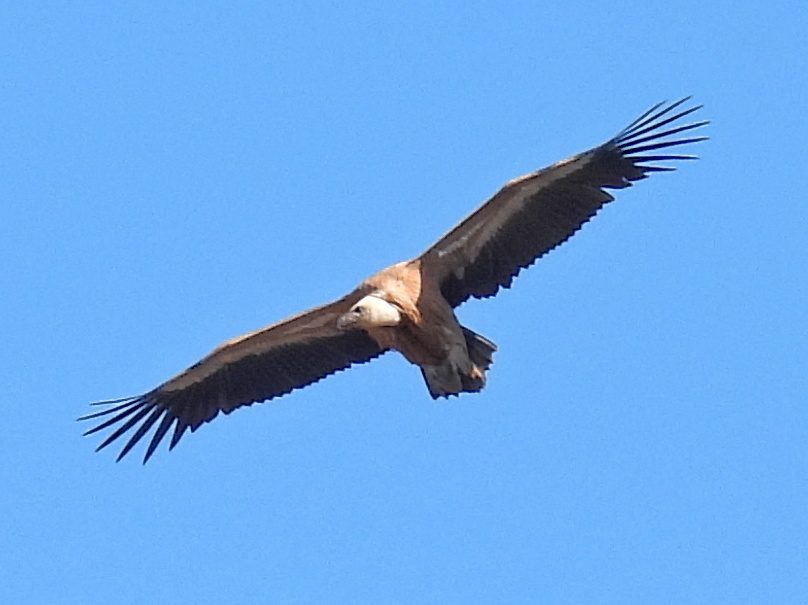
358, 310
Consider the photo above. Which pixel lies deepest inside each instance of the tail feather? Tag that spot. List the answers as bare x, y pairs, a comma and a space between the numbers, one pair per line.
461, 376
481, 350
442, 381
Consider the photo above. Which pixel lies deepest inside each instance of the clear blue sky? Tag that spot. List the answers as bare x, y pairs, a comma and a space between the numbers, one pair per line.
172, 177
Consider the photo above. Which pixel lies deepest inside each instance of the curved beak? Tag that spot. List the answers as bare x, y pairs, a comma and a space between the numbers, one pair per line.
347, 321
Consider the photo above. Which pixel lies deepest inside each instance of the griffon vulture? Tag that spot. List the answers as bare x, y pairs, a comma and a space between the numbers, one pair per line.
409, 307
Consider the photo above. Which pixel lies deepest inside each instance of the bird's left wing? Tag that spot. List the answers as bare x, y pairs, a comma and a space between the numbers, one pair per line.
255, 367
536, 212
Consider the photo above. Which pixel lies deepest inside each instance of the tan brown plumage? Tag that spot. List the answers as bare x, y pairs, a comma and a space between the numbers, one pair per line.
409, 307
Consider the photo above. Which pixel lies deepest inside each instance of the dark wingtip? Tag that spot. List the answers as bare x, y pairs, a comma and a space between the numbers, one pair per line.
158, 435
655, 118
127, 413
128, 402
111, 401
179, 430
649, 133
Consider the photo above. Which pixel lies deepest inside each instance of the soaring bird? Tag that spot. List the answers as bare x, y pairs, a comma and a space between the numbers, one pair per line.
409, 307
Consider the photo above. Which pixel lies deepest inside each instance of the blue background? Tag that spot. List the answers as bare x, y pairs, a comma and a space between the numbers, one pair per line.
174, 175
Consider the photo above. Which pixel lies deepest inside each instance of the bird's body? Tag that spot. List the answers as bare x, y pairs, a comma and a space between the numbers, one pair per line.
409, 307
426, 331
418, 335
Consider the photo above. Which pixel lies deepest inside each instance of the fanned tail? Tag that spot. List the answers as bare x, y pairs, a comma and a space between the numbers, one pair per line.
464, 374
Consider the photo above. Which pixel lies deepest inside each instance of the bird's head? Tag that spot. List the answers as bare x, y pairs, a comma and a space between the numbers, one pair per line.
370, 312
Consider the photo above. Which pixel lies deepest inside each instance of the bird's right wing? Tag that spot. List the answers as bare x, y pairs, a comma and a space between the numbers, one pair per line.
258, 366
